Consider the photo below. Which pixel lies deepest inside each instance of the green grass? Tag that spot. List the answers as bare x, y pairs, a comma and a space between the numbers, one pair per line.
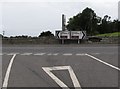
115, 34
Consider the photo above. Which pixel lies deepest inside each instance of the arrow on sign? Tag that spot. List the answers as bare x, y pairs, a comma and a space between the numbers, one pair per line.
84, 34
57, 80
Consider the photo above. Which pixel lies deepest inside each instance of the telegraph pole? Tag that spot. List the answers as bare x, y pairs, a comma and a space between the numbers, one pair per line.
63, 22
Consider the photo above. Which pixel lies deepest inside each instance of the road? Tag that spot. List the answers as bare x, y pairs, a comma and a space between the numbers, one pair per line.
55, 66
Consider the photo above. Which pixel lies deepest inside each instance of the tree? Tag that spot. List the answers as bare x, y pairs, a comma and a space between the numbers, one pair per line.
74, 23
87, 20
107, 26
116, 26
46, 34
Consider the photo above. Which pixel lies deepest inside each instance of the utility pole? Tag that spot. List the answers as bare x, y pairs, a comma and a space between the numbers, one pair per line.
63, 22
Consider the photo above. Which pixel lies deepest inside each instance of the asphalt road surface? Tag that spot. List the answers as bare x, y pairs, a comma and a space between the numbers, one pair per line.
60, 66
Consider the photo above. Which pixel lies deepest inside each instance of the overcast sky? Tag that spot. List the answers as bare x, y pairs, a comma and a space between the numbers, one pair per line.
31, 17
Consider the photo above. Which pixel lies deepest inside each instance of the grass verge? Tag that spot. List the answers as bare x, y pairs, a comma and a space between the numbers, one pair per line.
115, 34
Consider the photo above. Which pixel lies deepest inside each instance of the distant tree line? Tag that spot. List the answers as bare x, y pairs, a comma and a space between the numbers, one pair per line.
46, 34
43, 34
92, 24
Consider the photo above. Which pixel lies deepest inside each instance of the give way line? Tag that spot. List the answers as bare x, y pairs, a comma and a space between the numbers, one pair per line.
97, 59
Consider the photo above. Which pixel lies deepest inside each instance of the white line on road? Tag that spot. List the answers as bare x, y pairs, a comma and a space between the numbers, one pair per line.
95, 53
67, 54
55, 54
5, 82
1, 54
49, 54
80, 54
26, 54
12, 53
58, 81
110, 65
39, 54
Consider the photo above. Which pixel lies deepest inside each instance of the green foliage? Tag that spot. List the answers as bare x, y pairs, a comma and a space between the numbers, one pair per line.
108, 26
23, 36
115, 34
93, 24
46, 34
87, 20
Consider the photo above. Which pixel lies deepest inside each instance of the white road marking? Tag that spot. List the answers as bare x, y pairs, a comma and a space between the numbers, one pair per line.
12, 53
95, 53
80, 54
110, 65
67, 54
26, 54
39, 54
55, 54
49, 54
5, 82
58, 81
1, 54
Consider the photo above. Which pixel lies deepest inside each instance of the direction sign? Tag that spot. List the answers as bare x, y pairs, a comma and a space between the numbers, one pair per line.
70, 34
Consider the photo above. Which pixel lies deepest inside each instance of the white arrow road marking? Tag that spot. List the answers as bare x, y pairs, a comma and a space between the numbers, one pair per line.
58, 81
5, 82
110, 65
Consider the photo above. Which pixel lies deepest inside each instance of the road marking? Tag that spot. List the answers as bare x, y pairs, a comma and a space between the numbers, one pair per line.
5, 82
26, 54
95, 53
1, 54
67, 54
110, 65
58, 81
49, 54
55, 54
80, 54
12, 53
39, 54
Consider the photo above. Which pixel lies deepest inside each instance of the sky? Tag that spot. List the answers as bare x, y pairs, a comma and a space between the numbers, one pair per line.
31, 17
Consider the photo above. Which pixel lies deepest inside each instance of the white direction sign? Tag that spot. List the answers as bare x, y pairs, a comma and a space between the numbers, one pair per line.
58, 81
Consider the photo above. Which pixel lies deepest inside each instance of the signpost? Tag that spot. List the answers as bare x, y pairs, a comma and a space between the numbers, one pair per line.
70, 35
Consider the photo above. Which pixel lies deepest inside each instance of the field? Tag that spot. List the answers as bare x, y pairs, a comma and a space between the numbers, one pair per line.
115, 34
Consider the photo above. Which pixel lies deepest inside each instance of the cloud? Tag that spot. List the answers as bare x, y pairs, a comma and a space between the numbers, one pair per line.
31, 18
